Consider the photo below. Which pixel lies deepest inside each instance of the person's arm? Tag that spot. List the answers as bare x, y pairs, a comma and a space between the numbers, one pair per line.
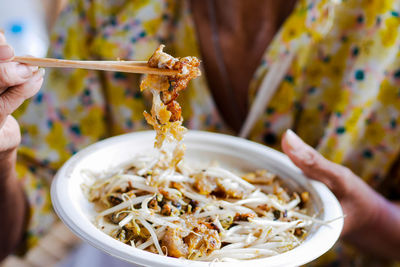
372, 222
52, 9
13, 206
17, 83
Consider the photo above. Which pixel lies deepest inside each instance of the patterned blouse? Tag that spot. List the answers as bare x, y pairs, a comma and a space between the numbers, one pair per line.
341, 93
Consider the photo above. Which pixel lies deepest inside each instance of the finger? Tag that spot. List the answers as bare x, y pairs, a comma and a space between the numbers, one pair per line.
10, 135
11, 99
12, 74
315, 166
2, 37
6, 51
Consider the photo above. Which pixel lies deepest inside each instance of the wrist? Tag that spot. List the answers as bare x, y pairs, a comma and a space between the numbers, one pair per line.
13, 205
8, 154
388, 218
378, 234
378, 209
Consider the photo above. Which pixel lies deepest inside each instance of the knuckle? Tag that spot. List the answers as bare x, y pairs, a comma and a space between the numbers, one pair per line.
340, 181
346, 173
19, 93
8, 75
4, 106
9, 102
347, 176
5, 75
311, 159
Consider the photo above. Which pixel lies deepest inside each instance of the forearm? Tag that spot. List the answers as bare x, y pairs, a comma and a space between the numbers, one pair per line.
52, 9
381, 237
13, 205
18, 82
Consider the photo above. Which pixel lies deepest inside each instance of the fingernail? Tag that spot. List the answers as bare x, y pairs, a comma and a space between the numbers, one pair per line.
292, 139
41, 72
298, 148
6, 52
24, 71
33, 68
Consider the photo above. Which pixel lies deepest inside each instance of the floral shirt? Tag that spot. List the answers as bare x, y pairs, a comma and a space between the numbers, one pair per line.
340, 94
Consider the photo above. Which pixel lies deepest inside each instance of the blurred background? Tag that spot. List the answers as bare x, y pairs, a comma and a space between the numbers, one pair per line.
26, 28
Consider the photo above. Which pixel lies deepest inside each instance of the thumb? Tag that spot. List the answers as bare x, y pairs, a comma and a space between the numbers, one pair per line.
6, 52
315, 166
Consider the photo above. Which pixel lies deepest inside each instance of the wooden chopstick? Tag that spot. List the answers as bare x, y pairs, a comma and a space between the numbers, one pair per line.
122, 66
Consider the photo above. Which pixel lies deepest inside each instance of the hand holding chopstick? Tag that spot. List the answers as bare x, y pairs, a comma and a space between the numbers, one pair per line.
122, 66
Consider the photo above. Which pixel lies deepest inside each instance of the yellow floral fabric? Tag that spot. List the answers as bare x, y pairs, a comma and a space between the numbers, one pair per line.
341, 93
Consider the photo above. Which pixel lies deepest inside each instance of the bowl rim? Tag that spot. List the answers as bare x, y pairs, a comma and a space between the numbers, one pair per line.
323, 239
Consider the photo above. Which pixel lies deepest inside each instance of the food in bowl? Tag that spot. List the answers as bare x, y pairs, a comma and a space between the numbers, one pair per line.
199, 214
160, 204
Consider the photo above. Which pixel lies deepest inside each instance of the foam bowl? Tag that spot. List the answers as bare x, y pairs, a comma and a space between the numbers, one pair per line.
231, 152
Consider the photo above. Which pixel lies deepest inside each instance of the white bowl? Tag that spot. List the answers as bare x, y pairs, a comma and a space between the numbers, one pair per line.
232, 152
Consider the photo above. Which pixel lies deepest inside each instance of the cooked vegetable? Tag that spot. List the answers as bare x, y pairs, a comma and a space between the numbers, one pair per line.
161, 205
183, 217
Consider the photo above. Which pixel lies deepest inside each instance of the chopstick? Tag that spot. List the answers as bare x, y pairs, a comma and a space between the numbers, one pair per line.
121, 66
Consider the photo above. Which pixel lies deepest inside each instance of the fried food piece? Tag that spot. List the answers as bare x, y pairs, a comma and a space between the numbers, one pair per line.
166, 113
168, 87
260, 177
244, 216
201, 241
230, 189
176, 111
203, 184
173, 241
188, 68
206, 185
